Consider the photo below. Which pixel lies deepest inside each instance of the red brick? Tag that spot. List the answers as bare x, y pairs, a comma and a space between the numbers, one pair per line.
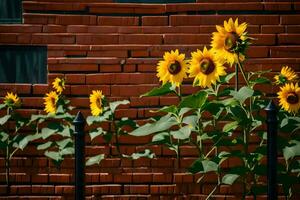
187, 39
38, 18
73, 67
97, 39
110, 68
107, 53
139, 53
16, 88
140, 39
285, 52
264, 39
75, 78
293, 29
184, 20
290, 19
66, 189
155, 20
10, 28
122, 178
54, 29
118, 21
43, 38
136, 189
8, 38
141, 178
278, 6
272, 29
39, 178
291, 39
59, 178
73, 19
42, 189
87, 89
129, 90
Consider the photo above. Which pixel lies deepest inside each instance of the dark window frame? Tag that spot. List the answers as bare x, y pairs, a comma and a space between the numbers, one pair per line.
18, 13
26, 64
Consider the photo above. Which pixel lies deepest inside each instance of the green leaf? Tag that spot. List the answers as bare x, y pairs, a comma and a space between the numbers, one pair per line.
3, 136
40, 118
161, 138
67, 131
115, 104
243, 94
94, 160
183, 133
191, 120
162, 90
97, 119
227, 78
163, 124
54, 155
146, 154
67, 151
195, 101
203, 166
230, 126
290, 152
260, 80
215, 108
2, 106
64, 143
47, 132
45, 145
209, 166
4, 119
125, 121
167, 109
229, 179
96, 132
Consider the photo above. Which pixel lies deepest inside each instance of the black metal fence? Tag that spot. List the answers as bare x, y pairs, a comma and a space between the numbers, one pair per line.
272, 124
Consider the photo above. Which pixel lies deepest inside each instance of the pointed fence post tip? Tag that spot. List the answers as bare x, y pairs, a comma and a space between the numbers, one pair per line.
79, 123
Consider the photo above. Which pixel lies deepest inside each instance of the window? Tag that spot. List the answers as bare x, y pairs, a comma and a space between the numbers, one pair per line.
10, 11
155, 1
23, 64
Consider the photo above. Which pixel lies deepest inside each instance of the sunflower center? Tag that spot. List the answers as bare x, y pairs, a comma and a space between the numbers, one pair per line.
174, 68
292, 98
207, 66
98, 103
230, 41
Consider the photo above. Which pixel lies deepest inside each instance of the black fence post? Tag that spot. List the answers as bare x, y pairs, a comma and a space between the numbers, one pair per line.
272, 124
79, 124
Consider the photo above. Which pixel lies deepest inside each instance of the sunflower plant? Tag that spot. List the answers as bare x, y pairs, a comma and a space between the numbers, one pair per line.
12, 134
54, 128
289, 126
227, 118
103, 112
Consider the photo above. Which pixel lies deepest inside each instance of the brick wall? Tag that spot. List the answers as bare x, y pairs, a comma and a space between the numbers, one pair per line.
98, 44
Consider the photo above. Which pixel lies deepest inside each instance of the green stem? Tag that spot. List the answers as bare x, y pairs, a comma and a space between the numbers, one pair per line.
245, 139
116, 130
243, 72
236, 77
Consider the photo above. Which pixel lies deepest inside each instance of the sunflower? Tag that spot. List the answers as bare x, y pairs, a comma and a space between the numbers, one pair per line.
96, 105
50, 102
59, 85
289, 97
286, 75
230, 41
173, 68
12, 100
206, 68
